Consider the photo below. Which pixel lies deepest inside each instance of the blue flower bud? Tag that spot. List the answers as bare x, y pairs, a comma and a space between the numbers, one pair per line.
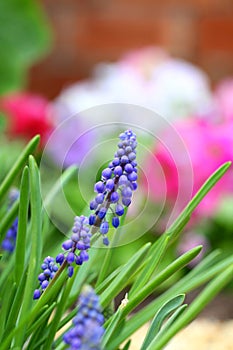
116, 161
70, 271
126, 192
123, 180
120, 152
114, 197
133, 176
118, 170
36, 294
126, 201
60, 258
47, 272
107, 173
110, 185
119, 210
129, 168
99, 198
75, 237
41, 277
93, 205
92, 219
99, 187
78, 260
104, 227
124, 159
84, 255
44, 284
115, 221
102, 212
67, 244
70, 257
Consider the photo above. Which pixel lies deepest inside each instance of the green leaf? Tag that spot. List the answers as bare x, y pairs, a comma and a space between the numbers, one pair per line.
58, 186
170, 321
102, 286
45, 313
121, 280
185, 285
154, 256
184, 217
111, 328
8, 296
13, 313
53, 327
108, 256
167, 308
36, 245
180, 262
16, 168
212, 289
20, 249
127, 345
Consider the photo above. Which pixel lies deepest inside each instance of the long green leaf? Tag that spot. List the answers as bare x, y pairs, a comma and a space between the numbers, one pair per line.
15, 306
179, 263
184, 217
45, 312
121, 280
155, 254
167, 308
58, 314
7, 182
64, 178
212, 289
36, 246
185, 285
20, 249
170, 321
109, 252
8, 296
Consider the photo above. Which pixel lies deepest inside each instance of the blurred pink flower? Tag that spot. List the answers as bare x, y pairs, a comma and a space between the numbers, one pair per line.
208, 146
224, 99
26, 115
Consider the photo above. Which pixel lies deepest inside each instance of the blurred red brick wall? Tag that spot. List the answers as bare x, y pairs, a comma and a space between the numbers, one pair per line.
89, 31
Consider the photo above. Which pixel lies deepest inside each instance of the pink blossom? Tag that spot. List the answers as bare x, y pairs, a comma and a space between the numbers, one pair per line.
26, 115
208, 147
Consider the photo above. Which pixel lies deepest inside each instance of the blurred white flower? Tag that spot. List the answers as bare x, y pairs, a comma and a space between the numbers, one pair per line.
147, 78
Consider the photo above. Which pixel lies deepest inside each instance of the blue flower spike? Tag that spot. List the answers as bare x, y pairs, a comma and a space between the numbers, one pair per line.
115, 190
87, 330
75, 251
9, 242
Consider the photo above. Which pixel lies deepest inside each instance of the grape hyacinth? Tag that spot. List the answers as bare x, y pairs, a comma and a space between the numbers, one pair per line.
115, 190
87, 330
75, 251
49, 268
76, 248
8, 244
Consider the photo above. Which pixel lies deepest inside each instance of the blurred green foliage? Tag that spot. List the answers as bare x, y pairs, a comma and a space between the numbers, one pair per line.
25, 37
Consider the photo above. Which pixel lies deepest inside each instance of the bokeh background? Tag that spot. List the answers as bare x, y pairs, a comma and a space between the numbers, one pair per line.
91, 31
